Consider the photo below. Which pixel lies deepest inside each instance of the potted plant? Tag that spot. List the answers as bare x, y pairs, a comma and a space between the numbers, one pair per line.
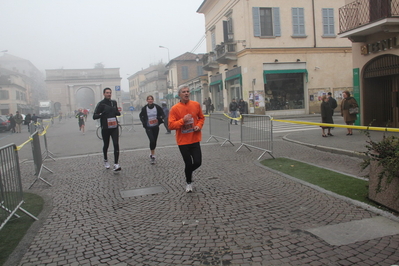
383, 158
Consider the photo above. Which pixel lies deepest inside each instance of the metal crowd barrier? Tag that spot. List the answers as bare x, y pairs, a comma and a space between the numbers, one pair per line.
127, 121
257, 133
38, 159
11, 194
219, 128
47, 153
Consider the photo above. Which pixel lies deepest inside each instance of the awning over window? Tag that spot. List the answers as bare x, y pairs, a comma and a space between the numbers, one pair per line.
213, 84
169, 96
284, 71
238, 76
194, 90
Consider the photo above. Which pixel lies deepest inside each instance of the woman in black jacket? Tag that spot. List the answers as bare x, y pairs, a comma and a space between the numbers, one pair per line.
151, 117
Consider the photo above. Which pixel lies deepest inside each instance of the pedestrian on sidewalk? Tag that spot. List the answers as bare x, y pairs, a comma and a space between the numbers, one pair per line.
18, 121
12, 123
347, 105
233, 107
243, 107
332, 102
107, 111
151, 117
187, 119
326, 115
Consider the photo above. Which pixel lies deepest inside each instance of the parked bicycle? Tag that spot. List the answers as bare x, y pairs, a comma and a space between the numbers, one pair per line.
98, 131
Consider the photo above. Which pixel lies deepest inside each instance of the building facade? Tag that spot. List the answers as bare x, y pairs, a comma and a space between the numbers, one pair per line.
71, 89
22, 85
279, 56
182, 70
373, 28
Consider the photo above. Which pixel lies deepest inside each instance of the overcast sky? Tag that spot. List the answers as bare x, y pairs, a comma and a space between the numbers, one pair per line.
118, 33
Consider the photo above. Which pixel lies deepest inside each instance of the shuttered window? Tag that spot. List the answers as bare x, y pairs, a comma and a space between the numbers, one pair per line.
266, 21
298, 22
328, 22
184, 70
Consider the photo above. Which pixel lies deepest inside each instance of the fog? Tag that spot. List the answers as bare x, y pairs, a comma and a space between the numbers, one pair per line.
81, 33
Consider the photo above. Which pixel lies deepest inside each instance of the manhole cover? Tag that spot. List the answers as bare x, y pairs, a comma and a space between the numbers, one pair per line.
141, 191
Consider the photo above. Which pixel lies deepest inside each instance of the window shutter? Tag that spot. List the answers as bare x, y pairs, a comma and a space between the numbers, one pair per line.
328, 21
256, 20
225, 31
276, 21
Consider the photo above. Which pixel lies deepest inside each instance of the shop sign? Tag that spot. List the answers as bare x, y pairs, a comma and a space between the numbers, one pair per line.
379, 46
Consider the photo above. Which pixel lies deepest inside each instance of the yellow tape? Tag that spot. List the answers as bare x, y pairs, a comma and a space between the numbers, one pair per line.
23, 144
342, 126
238, 118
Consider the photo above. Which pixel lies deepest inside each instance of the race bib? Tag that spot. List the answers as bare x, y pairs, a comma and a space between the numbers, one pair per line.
188, 126
112, 122
152, 122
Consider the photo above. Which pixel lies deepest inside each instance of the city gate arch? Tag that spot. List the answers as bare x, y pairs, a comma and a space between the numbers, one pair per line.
85, 98
381, 91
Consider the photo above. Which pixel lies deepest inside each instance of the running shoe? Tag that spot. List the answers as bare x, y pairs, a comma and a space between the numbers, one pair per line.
189, 188
117, 167
152, 159
106, 164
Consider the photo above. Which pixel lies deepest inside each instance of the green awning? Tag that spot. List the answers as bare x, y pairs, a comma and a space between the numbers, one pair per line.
194, 90
219, 83
284, 71
169, 96
238, 76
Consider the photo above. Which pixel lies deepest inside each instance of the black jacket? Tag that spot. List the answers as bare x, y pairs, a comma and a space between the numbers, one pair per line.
144, 118
106, 109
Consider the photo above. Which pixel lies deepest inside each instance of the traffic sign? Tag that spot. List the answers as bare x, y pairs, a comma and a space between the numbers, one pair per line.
120, 109
117, 88
131, 108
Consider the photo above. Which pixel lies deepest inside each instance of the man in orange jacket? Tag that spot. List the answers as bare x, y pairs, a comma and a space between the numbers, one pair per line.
187, 119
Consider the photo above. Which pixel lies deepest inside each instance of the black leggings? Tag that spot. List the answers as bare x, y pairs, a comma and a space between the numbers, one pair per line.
152, 133
192, 158
106, 133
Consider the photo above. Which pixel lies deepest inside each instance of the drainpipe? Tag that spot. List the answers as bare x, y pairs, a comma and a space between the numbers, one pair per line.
314, 26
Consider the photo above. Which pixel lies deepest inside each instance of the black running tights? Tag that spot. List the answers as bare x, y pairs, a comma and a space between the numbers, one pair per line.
192, 158
113, 133
152, 133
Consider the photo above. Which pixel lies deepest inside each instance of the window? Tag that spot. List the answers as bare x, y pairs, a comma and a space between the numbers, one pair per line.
4, 95
298, 22
328, 22
266, 21
228, 30
200, 71
213, 39
184, 70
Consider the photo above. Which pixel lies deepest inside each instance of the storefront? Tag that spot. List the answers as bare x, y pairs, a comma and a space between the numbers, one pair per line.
285, 86
216, 89
234, 84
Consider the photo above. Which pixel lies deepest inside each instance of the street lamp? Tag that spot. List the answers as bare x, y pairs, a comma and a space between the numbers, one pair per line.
168, 51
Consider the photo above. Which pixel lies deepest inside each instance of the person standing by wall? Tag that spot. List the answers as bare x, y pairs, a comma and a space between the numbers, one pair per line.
18, 121
187, 119
233, 107
151, 117
107, 111
28, 119
326, 115
243, 107
12, 123
332, 102
166, 118
347, 104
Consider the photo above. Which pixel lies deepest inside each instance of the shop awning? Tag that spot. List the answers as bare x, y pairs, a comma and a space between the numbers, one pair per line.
284, 71
169, 96
219, 83
238, 76
194, 90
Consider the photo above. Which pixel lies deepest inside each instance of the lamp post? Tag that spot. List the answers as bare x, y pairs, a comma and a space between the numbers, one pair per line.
168, 51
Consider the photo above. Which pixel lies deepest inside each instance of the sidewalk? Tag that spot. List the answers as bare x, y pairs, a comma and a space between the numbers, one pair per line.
239, 214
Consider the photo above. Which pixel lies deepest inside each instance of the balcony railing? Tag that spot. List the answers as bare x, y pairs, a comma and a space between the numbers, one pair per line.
362, 12
226, 52
209, 61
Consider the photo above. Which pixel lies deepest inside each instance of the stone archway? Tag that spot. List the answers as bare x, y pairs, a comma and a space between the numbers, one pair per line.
381, 91
85, 98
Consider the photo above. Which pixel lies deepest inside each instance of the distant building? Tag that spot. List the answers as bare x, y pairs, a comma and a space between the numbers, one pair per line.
279, 56
71, 89
373, 28
182, 70
21, 85
149, 81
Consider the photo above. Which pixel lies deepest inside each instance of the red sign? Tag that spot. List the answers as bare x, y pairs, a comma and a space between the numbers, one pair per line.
120, 109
